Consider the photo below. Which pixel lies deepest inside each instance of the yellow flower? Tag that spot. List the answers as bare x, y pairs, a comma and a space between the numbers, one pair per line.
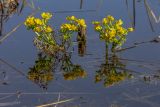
105, 21
119, 22
82, 23
37, 29
29, 21
46, 15
38, 21
64, 26
96, 22
98, 28
110, 18
71, 18
121, 30
73, 27
112, 33
48, 29
69, 27
130, 29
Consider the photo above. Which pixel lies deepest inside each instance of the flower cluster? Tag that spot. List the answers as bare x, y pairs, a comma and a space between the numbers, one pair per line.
76, 21
111, 30
68, 27
39, 25
46, 15
45, 38
74, 25
44, 32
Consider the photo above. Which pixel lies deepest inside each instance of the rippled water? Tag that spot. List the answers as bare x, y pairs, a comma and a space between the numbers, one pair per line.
138, 67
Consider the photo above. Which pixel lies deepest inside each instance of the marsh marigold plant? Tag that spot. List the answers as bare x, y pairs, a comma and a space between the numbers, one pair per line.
44, 32
111, 31
74, 25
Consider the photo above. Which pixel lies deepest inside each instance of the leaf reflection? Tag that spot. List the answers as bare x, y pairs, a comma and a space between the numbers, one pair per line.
43, 71
112, 71
71, 71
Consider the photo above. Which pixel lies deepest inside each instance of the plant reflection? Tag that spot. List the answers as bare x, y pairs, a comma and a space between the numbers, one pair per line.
45, 66
81, 39
71, 71
81, 48
111, 72
42, 72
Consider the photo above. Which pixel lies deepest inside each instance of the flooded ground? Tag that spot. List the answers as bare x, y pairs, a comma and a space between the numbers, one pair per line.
128, 78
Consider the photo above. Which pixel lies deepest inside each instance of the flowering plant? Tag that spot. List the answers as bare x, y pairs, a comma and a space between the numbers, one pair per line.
74, 25
44, 32
111, 31
45, 37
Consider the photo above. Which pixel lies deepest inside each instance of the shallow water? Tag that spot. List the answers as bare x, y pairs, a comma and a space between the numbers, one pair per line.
141, 64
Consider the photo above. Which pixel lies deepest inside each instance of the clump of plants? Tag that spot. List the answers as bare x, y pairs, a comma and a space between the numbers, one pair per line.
45, 36
44, 32
74, 25
111, 31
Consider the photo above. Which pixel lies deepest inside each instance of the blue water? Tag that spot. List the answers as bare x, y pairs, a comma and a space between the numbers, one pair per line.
19, 54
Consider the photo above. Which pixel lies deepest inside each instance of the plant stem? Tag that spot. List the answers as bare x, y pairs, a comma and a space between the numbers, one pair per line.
107, 52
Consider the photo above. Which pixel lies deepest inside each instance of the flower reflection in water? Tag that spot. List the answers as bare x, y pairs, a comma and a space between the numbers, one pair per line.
112, 72
42, 72
45, 66
71, 71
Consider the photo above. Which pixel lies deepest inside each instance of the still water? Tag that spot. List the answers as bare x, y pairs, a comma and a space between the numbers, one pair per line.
127, 79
